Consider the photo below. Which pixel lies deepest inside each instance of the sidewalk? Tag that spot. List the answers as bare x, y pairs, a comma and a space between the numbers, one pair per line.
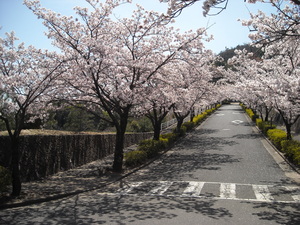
91, 176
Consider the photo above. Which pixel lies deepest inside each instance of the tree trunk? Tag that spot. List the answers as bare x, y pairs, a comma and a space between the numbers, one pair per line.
179, 123
288, 131
15, 167
119, 152
156, 128
267, 114
119, 145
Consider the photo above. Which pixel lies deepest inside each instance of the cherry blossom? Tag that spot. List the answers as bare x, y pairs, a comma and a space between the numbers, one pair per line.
28, 80
111, 62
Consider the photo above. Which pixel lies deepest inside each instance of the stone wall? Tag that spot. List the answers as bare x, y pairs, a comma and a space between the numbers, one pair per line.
42, 156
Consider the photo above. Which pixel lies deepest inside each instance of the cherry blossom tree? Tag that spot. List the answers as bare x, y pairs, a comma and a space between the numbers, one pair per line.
272, 81
157, 105
192, 84
28, 77
177, 6
111, 61
280, 35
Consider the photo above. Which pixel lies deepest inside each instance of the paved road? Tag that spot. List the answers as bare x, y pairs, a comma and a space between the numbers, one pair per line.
222, 173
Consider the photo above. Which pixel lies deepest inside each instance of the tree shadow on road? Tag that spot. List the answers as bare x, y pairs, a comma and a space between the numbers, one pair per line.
248, 136
279, 213
94, 209
191, 154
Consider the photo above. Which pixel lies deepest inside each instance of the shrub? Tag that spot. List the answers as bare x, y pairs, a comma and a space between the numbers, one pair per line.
276, 136
199, 118
259, 123
264, 126
170, 137
189, 125
5, 178
181, 132
291, 149
135, 158
251, 114
209, 111
152, 147
267, 126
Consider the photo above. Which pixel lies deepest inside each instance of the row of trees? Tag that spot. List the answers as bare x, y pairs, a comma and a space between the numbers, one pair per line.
273, 80
140, 66
111, 68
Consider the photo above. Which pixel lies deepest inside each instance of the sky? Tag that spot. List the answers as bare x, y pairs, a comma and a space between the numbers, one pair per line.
225, 27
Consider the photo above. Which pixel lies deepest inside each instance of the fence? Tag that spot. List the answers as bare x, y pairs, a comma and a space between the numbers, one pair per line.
45, 155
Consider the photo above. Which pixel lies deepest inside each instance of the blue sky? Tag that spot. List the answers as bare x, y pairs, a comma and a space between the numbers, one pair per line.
227, 31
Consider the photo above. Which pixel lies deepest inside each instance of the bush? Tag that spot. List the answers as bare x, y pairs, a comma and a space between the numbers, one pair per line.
267, 126
264, 126
135, 158
189, 125
170, 137
181, 132
199, 118
5, 178
252, 115
291, 150
276, 136
259, 123
152, 147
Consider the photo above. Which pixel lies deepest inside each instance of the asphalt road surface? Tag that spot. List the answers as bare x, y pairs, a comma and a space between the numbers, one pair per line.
224, 172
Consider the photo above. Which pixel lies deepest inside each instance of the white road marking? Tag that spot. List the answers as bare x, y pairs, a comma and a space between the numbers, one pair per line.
262, 193
227, 191
193, 189
295, 197
129, 188
162, 188
237, 121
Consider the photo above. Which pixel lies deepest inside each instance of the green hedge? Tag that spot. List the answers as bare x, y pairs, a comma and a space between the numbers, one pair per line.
264, 126
150, 148
135, 158
291, 149
5, 178
170, 137
251, 114
276, 136
189, 125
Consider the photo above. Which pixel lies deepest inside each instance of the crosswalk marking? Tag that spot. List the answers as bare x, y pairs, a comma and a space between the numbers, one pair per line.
227, 191
129, 188
213, 190
193, 189
293, 189
162, 188
262, 193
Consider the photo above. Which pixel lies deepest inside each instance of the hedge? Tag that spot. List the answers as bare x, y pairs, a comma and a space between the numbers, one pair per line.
251, 114
150, 148
264, 126
276, 136
290, 148
135, 158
